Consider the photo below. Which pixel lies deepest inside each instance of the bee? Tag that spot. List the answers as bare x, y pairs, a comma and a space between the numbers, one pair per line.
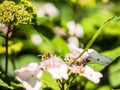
82, 60
44, 56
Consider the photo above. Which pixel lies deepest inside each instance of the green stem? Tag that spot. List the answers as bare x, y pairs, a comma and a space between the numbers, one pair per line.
97, 34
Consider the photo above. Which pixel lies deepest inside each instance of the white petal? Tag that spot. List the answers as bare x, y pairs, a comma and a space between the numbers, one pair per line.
59, 72
92, 75
32, 85
54, 72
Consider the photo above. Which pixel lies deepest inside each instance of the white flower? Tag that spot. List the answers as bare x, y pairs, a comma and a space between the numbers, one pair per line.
36, 39
59, 72
92, 75
75, 29
55, 66
29, 76
47, 9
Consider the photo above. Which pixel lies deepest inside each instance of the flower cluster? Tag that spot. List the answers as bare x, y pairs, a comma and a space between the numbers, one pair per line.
18, 14
79, 66
59, 69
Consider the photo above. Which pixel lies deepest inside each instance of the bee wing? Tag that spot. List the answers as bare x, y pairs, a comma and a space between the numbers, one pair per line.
95, 57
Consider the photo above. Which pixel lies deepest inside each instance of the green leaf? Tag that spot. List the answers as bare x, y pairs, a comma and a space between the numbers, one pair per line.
66, 13
46, 46
26, 59
113, 54
90, 85
49, 81
91, 24
2, 83
10, 65
97, 67
112, 29
15, 85
104, 87
114, 73
60, 45
42, 20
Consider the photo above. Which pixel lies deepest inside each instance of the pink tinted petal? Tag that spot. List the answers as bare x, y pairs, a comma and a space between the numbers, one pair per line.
32, 85
23, 76
29, 76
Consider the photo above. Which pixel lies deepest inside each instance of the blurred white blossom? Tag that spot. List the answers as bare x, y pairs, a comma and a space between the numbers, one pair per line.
29, 75
73, 41
75, 29
47, 9
59, 31
36, 39
55, 66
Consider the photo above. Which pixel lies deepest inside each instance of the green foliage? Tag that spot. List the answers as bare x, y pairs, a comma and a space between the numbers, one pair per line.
91, 23
91, 14
60, 47
26, 59
114, 73
105, 87
2, 83
49, 82
13, 48
10, 66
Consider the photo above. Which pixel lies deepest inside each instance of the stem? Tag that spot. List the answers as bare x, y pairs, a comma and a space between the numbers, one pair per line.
6, 54
70, 83
59, 84
97, 34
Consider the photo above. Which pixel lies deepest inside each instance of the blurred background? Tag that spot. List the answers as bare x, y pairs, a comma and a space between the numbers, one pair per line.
61, 24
